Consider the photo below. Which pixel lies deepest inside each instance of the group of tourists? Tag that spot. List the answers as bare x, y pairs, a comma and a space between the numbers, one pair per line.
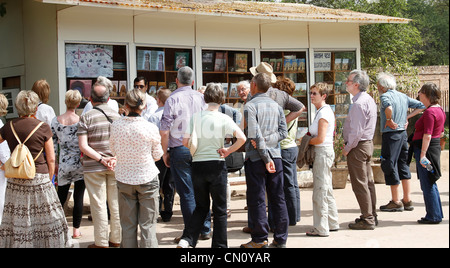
132, 159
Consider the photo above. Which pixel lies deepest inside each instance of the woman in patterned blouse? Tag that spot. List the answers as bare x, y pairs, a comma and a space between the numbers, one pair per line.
136, 143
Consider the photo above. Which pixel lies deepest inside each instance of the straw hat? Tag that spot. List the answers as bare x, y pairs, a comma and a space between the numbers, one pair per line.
266, 68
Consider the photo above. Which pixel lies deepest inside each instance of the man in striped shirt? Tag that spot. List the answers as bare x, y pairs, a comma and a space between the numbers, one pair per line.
93, 136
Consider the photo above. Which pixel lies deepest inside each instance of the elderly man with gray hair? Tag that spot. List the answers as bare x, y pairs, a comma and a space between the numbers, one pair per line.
359, 129
394, 147
93, 138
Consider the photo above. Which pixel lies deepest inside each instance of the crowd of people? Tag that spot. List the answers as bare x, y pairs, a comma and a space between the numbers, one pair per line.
132, 159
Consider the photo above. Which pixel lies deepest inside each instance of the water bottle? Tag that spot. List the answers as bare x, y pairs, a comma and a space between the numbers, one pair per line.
427, 164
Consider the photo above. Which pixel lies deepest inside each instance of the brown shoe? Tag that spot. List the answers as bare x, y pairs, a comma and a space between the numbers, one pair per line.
95, 246
247, 230
408, 205
361, 225
252, 244
392, 207
114, 245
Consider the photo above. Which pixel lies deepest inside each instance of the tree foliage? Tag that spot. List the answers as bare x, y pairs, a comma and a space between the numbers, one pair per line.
424, 41
431, 18
2, 9
406, 76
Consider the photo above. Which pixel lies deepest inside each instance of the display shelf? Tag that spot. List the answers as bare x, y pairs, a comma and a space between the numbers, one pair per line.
228, 67
159, 65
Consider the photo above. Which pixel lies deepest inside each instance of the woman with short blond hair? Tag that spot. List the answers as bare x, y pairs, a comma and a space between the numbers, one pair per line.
70, 169
33, 216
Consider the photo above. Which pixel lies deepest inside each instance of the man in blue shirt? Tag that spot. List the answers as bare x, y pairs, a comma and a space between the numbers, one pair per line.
394, 147
266, 125
178, 110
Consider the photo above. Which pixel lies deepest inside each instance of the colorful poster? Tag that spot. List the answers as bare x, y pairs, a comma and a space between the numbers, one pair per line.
89, 61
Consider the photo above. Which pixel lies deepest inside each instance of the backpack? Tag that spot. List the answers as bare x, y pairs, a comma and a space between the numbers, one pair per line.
21, 163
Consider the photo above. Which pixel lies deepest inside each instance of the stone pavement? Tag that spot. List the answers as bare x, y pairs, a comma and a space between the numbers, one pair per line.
395, 229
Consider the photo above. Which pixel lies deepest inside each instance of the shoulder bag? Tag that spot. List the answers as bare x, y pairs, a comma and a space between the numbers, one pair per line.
193, 141
21, 163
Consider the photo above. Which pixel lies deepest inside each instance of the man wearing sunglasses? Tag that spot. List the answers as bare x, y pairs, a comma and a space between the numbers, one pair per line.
141, 83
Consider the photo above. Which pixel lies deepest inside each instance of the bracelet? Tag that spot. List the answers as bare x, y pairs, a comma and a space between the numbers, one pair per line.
100, 160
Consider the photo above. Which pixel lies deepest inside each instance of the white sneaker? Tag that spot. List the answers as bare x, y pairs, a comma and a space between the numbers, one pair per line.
183, 244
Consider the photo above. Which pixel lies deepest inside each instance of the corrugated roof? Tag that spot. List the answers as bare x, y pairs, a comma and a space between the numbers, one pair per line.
265, 10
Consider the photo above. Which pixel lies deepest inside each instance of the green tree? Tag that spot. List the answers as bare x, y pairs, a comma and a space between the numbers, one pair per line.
2, 9
431, 18
393, 43
406, 76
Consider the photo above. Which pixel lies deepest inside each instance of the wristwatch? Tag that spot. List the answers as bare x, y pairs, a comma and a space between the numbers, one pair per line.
388, 119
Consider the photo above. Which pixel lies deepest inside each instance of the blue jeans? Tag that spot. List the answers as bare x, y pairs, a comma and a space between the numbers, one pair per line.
258, 182
430, 191
181, 169
291, 190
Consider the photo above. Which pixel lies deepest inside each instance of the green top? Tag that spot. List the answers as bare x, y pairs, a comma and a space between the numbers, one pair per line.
289, 142
211, 129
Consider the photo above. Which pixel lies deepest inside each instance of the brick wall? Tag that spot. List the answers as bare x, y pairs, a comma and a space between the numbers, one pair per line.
438, 75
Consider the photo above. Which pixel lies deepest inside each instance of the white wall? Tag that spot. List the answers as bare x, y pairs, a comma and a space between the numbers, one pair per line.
334, 35
164, 29
284, 35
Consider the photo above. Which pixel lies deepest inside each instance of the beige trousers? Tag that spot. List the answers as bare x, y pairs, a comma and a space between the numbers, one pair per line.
102, 188
325, 213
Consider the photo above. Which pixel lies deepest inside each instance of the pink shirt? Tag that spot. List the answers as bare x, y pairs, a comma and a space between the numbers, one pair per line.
431, 122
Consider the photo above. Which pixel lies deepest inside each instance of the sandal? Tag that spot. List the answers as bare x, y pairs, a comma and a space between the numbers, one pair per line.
77, 236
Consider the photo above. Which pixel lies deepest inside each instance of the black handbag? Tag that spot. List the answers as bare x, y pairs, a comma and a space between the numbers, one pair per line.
235, 161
